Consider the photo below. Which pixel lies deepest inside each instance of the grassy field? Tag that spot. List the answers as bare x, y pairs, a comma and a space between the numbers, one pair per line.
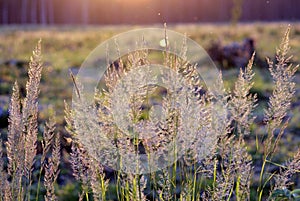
66, 47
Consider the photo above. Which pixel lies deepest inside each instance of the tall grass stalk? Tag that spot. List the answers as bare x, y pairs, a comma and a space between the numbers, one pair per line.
279, 103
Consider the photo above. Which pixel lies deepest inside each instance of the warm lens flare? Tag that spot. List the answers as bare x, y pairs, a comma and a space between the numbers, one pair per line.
133, 2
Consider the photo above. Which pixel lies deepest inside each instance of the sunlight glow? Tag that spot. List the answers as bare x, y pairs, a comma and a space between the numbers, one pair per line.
133, 2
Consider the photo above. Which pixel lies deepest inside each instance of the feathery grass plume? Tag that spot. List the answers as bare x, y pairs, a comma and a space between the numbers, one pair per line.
283, 178
242, 102
48, 136
88, 172
3, 173
201, 151
223, 172
80, 163
228, 165
203, 143
243, 168
52, 170
283, 74
22, 132
165, 186
197, 149
98, 182
56, 152
15, 136
113, 75
69, 114
50, 178
85, 168
15, 146
218, 100
222, 182
30, 113
232, 171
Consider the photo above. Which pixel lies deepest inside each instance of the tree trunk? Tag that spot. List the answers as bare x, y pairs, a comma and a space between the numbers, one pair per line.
43, 12
34, 11
85, 12
50, 12
4, 10
24, 12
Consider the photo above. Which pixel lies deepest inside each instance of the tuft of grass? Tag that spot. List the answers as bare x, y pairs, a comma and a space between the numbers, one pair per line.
21, 145
229, 166
226, 173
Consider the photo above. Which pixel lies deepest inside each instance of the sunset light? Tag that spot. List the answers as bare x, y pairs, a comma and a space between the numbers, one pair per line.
149, 100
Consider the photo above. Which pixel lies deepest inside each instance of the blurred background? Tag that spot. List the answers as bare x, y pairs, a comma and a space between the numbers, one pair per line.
145, 11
